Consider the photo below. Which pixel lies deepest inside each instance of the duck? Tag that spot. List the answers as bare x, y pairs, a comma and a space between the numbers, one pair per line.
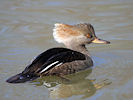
60, 61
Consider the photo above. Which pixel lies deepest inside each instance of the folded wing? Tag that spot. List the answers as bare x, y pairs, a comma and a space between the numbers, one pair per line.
46, 61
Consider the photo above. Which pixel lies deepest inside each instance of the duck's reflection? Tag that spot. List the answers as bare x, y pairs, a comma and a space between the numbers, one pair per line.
78, 85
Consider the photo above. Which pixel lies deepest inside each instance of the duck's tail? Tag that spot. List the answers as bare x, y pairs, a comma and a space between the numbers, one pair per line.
21, 78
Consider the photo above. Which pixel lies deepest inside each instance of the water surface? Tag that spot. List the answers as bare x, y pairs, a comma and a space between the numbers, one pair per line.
26, 31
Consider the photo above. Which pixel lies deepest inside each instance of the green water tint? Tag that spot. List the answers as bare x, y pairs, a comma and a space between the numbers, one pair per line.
74, 84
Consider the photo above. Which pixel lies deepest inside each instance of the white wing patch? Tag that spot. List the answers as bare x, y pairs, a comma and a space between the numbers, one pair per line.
59, 64
51, 65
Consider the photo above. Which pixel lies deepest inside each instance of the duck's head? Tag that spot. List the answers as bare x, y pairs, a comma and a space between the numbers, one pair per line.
79, 34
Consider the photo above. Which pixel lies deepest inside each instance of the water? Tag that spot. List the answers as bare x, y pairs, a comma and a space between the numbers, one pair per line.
26, 31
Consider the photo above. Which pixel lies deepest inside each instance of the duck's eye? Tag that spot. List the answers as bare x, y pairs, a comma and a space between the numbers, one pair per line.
89, 36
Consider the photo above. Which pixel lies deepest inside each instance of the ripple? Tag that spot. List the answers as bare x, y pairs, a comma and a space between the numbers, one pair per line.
98, 61
27, 29
54, 3
4, 29
108, 14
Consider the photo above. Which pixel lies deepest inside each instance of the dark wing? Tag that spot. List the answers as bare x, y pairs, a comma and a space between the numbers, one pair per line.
42, 58
45, 61
52, 57
61, 58
49, 53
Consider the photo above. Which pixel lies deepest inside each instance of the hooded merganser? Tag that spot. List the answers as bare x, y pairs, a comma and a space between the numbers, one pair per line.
62, 61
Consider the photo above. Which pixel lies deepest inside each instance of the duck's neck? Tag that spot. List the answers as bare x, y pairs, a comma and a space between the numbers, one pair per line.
79, 48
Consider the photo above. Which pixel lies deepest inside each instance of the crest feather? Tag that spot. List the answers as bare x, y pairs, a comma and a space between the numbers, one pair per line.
64, 32
55, 32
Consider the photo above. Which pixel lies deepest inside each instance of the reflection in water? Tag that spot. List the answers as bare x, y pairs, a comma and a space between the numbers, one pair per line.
77, 85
